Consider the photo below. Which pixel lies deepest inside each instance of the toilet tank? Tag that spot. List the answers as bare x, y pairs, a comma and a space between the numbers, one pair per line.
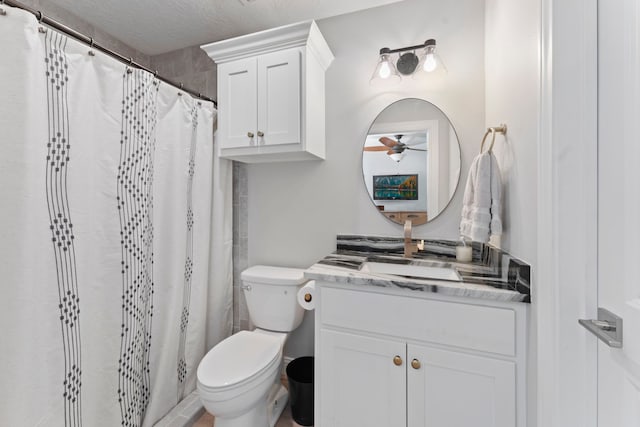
271, 294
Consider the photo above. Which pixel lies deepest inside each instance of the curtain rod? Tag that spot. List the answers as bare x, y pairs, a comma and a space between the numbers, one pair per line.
42, 18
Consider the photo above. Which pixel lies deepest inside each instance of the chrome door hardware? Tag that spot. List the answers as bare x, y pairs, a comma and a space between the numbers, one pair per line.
608, 327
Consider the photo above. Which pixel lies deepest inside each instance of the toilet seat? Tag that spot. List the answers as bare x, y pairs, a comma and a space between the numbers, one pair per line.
244, 356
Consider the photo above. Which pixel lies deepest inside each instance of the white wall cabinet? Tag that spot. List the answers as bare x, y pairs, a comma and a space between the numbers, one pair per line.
403, 360
271, 94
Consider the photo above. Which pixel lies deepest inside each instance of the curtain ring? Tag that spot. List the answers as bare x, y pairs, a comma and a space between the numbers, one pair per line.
39, 16
91, 52
130, 61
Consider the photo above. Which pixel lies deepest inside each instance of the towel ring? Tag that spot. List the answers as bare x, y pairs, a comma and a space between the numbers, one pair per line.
492, 130
493, 139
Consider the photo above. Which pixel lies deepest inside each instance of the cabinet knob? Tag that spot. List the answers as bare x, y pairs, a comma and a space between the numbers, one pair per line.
250, 134
415, 364
308, 297
397, 360
260, 134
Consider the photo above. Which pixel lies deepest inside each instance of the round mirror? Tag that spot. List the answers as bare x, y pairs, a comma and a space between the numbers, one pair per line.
411, 161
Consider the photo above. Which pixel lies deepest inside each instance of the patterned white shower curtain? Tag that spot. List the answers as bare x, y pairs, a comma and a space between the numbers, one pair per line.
106, 266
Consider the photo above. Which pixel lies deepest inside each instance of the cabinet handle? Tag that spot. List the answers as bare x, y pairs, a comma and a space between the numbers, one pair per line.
250, 134
260, 134
397, 360
415, 364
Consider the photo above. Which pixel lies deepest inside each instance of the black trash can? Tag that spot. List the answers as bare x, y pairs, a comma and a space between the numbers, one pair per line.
300, 377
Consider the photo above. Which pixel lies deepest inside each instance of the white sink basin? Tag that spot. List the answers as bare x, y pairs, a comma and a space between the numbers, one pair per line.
417, 271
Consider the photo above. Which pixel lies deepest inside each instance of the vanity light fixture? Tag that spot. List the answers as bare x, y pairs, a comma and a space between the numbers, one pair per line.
407, 63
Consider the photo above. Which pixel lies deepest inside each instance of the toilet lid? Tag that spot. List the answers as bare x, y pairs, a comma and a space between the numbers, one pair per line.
273, 275
237, 358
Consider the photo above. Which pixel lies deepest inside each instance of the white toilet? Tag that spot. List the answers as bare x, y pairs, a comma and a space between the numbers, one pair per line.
239, 379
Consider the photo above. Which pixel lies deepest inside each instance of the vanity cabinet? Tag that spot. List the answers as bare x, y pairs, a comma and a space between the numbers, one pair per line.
271, 94
390, 359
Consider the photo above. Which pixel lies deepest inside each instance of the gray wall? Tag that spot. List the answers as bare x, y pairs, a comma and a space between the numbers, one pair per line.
77, 23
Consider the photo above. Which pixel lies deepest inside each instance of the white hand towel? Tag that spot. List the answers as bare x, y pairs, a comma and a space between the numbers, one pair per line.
482, 204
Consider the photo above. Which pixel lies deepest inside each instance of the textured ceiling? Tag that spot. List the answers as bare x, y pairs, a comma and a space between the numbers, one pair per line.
158, 26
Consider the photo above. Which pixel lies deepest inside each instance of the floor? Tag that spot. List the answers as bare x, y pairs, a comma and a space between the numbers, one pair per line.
285, 420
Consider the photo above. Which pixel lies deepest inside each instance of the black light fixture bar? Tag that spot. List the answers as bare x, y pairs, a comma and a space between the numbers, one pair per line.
430, 42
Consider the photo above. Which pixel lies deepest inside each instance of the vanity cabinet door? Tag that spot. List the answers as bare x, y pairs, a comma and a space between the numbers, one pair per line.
363, 381
279, 98
452, 389
238, 96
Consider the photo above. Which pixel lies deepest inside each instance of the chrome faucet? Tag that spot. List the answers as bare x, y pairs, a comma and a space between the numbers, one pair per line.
409, 247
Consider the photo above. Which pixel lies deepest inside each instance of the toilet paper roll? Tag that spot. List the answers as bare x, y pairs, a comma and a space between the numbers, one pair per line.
307, 295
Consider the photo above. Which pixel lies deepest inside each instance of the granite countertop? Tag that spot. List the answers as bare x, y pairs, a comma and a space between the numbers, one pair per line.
491, 274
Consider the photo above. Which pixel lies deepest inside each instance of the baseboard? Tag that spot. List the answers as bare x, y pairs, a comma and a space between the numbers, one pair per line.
184, 414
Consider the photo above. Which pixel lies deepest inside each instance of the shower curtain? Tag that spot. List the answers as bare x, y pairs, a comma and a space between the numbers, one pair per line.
115, 235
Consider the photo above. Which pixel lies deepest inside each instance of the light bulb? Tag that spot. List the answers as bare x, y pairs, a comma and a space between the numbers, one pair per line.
397, 156
430, 63
385, 70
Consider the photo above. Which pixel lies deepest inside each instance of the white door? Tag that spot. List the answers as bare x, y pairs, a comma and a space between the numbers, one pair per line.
452, 389
619, 207
237, 93
279, 103
363, 381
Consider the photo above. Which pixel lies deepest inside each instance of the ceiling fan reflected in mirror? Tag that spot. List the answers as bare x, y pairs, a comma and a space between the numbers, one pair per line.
394, 147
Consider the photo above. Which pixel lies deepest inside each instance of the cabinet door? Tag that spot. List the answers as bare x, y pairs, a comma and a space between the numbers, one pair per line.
279, 104
237, 93
451, 389
360, 385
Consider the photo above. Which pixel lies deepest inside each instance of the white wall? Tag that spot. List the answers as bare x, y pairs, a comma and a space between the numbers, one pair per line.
512, 70
297, 209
